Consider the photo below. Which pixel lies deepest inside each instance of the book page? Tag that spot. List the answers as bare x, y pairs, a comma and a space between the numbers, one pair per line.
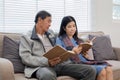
87, 45
54, 52
58, 51
67, 55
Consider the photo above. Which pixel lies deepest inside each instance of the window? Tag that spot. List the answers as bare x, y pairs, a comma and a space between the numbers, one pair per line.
116, 9
1, 15
18, 16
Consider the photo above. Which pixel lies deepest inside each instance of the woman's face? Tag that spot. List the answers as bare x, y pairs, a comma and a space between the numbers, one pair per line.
70, 29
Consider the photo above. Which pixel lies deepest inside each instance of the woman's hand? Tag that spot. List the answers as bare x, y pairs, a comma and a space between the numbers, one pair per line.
91, 41
54, 61
77, 49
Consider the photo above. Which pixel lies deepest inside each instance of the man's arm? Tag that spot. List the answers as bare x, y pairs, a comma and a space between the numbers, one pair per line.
30, 56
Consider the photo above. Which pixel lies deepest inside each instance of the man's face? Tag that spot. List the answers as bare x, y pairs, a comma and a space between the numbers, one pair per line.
45, 23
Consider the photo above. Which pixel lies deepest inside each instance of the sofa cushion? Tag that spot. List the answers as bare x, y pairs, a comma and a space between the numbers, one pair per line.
116, 68
85, 37
15, 36
115, 64
90, 53
11, 52
20, 76
102, 48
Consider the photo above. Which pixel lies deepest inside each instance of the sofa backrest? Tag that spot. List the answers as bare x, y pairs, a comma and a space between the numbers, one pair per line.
91, 32
82, 34
17, 36
11, 35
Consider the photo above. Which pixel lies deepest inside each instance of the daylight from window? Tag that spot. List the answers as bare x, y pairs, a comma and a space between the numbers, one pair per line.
18, 15
116, 9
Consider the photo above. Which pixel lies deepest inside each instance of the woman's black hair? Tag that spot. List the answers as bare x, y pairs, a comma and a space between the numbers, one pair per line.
65, 21
42, 14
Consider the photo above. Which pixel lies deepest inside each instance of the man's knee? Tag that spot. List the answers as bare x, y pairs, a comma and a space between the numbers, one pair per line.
93, 70
45, 74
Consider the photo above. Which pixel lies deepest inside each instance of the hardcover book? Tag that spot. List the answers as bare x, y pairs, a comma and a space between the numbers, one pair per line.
87, 45
58, 51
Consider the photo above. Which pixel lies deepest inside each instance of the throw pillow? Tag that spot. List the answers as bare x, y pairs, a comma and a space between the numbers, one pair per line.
102, 48
90, 53
11, 52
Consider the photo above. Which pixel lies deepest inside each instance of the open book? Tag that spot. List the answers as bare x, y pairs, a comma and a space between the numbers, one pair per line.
86, 45
58, 51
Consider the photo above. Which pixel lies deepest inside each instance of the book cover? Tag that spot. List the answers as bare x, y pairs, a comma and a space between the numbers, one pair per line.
58, 51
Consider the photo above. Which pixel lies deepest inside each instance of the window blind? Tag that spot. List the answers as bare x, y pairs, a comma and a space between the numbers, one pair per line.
1, 16
79, 10
56, 8
18, 15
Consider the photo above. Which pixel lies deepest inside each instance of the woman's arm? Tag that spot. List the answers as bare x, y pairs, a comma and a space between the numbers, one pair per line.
59, 42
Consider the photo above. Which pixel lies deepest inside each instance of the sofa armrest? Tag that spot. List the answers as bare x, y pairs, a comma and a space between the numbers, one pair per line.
6, 70
117, 52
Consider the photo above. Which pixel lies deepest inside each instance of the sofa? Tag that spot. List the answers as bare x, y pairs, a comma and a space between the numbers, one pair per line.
7, 67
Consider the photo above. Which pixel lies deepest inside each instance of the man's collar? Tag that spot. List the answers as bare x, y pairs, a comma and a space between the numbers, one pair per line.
34, 35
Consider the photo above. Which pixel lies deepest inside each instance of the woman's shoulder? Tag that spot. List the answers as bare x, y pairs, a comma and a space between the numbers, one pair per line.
58, 38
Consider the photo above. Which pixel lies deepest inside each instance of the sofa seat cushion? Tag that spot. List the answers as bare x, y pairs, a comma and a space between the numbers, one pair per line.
116, 68
115, 64
20, 76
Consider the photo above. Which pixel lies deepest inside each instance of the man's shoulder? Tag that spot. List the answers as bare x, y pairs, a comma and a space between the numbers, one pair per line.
27, 35
52, 33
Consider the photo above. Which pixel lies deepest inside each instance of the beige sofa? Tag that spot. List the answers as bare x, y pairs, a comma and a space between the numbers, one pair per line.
7, 69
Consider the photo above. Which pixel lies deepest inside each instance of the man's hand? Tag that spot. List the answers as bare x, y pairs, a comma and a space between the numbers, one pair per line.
54, 61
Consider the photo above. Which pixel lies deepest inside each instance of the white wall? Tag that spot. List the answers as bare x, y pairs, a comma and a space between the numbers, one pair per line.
102, 20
